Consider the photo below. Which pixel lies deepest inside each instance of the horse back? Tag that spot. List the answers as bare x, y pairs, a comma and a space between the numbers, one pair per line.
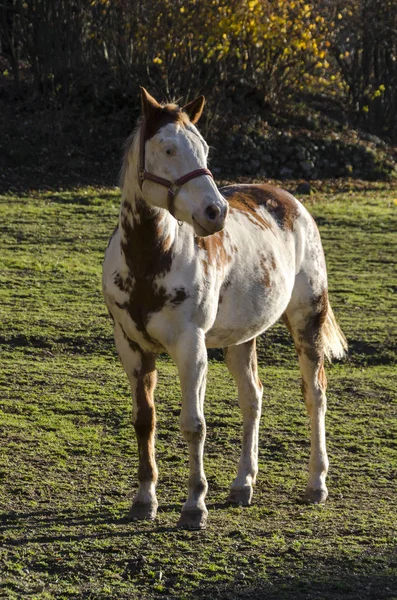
253, 200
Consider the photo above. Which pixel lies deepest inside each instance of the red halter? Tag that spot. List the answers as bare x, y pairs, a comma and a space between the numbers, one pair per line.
173, 186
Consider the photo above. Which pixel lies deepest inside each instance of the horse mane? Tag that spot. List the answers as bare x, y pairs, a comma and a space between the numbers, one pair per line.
126, 150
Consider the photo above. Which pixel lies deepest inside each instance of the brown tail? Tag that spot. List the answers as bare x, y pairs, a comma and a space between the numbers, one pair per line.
335, 344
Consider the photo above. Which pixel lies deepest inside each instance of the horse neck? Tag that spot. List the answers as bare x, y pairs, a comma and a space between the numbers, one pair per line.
148, 233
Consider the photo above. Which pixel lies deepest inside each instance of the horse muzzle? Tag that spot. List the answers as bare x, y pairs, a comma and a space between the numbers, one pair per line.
211, 220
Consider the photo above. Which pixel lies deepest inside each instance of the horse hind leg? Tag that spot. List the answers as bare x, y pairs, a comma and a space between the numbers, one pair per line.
306, 319
242, 363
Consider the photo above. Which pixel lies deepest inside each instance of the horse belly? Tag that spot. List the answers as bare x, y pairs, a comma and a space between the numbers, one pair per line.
246, 313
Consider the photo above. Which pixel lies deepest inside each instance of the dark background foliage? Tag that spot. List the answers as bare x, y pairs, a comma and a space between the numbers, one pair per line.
324, 74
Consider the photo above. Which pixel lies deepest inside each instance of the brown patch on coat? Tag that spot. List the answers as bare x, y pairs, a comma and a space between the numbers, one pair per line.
244, 202
310, 339
148, 255
144, 248
224, 287
321, 377
146, 252
277, 202
315, 322
124, 284
214, 247
167, 243
170, 113
266, 279
145, 421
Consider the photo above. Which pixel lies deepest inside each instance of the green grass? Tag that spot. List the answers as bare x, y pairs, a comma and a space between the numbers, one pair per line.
68, 458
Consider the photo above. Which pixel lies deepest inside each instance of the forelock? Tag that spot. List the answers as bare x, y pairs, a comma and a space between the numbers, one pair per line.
170, 113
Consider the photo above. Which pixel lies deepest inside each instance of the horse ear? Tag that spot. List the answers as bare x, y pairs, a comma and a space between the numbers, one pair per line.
150, 107
194, 109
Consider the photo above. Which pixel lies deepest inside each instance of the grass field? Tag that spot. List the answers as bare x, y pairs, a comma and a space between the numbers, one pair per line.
68, 454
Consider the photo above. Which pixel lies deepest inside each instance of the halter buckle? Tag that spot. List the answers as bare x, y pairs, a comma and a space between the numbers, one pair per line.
141, 176
173, 189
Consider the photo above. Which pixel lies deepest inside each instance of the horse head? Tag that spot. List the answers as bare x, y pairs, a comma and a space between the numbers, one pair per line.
172, 169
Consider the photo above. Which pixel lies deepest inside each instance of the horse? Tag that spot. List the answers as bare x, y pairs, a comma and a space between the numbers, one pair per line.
190, 267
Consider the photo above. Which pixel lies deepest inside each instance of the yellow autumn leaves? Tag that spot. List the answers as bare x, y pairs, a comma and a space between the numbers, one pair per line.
257, 38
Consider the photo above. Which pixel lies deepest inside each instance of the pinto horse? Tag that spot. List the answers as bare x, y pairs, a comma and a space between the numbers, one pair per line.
191, 267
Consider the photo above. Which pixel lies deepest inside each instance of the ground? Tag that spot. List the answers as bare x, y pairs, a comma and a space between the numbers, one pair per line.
69, 458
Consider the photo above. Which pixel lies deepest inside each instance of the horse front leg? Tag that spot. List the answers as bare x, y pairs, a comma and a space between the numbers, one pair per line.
141, 371
190, 356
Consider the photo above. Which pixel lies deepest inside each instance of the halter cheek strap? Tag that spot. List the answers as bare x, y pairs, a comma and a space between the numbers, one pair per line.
173, 186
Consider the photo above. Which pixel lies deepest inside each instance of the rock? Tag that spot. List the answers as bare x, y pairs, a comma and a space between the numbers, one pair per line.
307, 166
286, 173
370, 152
369, 137
301, 153
288, 150
304, 189
255, 164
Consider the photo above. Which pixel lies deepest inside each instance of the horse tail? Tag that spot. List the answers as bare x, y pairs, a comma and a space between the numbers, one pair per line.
335, 344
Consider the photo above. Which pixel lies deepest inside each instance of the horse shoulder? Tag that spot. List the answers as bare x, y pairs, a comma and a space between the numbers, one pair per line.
115, 274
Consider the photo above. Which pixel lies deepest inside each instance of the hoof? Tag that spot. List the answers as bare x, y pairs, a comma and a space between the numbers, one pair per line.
193, 519
242, 496
318, 496
143, 511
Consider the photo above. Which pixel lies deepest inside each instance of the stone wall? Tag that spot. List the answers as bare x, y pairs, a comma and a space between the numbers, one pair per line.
286, 155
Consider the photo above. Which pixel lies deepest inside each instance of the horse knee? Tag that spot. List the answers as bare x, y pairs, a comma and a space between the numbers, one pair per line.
314, 397
250, 400
322, 378
251, 409
193, 429
144, 421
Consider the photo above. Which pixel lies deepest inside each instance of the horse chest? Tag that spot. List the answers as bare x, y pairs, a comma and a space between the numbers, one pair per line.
146, 307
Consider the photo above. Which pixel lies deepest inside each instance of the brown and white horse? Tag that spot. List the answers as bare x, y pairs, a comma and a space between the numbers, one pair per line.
191, 267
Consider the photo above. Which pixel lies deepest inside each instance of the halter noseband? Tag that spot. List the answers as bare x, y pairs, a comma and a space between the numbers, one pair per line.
173, 186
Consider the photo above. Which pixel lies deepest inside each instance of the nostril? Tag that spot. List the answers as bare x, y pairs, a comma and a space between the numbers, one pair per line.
212, 212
